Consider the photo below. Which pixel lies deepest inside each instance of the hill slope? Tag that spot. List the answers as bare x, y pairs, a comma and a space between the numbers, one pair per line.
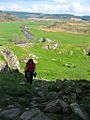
62, 62
8, 17
75, 26
21, 100
25, 15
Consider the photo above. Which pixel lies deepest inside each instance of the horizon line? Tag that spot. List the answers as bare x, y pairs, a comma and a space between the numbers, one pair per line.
44, 13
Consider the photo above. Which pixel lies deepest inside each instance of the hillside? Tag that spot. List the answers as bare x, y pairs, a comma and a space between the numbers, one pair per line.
44, 100
8, 17
26, 15
59, 50
73, 26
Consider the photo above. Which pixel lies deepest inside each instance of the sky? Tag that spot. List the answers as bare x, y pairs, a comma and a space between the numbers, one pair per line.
75, 7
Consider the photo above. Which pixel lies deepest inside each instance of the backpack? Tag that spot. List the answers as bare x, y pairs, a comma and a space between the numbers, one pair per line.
35, 74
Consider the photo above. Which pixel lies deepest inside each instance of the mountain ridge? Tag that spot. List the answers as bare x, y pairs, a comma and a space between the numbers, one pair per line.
26, 15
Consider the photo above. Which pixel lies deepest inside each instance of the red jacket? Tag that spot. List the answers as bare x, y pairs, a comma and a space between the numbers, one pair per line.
31, 67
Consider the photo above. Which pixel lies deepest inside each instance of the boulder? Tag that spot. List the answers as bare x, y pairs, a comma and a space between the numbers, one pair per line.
78, 90
2, 65
52, 95
41, 116
56, 106
11, 59
45, 40
79, 111
27, 115
40, 94
46, 47
11, 113
69, 65
34, 114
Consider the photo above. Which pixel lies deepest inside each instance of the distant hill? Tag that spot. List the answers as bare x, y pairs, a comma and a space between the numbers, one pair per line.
26, 15
8, 17
86, 18
73, 26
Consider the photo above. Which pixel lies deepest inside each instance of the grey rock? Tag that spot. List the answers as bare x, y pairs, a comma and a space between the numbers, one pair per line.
33, 105
52, 95
79, 111
40, 94
73, 96
69, 65
11, 106
46, 47
41, 116
22, 83
2, 65
53, 106
56, 106
0, 109
36, 88
36, 99
45, 40
69, 89
27, 108
27, 115
34, 114
78, 90
11, 59
11, 113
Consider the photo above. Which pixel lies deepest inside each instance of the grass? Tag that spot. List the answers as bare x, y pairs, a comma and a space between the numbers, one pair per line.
50, 62
12, 91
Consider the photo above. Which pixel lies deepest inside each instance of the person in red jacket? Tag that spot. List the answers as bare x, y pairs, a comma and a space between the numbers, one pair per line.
30, 70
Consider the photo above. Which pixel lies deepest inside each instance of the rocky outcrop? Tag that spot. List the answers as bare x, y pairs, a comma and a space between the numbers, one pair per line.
46, 40
79, 111
15, 113
56, 106
66, 100
2, 65
34, 114
63, 97
27, 115
11, 113
11, 59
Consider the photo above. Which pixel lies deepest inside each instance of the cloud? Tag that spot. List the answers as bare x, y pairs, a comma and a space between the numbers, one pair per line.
2, 8
77, 7
60, 1
80, 9
16, 7
48, 8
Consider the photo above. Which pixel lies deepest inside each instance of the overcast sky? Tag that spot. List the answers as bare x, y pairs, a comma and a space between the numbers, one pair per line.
76, 7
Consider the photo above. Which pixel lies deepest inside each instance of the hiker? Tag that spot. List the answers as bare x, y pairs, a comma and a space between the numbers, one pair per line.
30, 69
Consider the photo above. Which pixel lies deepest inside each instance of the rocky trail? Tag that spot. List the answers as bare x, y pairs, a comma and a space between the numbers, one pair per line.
51, 100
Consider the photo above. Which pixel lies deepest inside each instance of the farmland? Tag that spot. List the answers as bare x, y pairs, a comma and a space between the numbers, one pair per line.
69, 61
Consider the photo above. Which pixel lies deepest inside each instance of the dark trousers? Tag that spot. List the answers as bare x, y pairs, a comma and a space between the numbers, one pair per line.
29, 76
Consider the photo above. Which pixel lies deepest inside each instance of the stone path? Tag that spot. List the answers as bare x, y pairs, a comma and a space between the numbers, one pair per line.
52, 98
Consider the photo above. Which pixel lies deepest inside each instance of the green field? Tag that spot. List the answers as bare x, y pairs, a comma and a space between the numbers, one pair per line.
51, 64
